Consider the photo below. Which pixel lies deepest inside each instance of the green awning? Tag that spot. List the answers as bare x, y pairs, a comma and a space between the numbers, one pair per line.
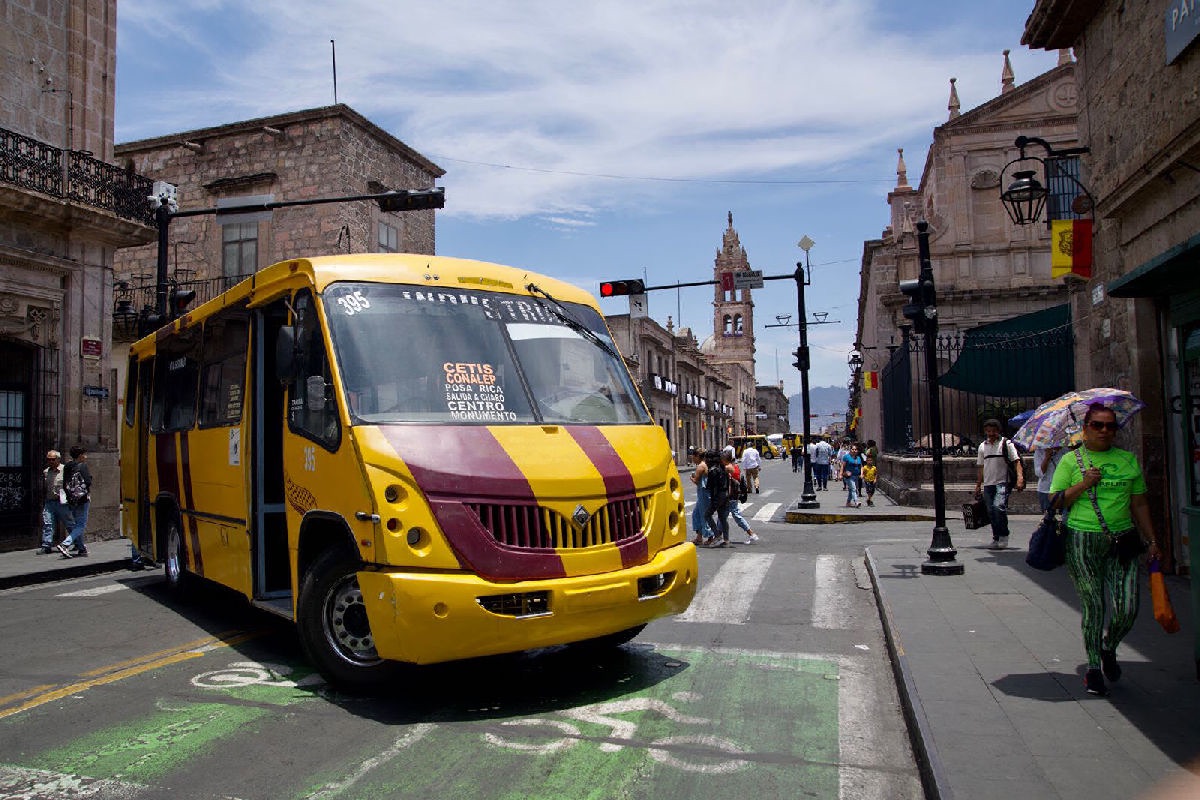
1175, 270
1026, 356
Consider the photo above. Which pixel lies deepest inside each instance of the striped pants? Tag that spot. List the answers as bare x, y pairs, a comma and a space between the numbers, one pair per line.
1099, 576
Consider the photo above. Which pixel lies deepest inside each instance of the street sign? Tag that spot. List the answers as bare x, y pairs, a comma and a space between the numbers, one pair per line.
95, 391
748, 279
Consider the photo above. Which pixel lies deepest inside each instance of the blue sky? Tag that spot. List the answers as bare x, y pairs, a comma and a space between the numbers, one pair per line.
609, 140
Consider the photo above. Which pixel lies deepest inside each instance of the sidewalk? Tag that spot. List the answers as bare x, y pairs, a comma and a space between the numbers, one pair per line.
27, 567
990, 664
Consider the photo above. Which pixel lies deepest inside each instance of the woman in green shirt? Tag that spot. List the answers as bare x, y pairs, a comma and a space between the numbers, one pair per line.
1119, 490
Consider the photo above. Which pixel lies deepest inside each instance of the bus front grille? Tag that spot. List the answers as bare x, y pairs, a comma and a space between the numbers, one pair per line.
527, 525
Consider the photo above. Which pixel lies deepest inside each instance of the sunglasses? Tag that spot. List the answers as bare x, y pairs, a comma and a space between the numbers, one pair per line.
1097, 425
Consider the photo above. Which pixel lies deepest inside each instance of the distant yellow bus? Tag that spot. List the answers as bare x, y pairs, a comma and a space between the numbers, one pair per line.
415, 458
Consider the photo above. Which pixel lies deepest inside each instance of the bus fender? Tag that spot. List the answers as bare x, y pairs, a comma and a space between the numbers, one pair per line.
321, 531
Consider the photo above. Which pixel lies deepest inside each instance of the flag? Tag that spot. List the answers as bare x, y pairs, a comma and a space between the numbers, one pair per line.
1071, 248
871, 380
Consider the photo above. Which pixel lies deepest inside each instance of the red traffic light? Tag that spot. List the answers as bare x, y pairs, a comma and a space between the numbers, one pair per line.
625, 287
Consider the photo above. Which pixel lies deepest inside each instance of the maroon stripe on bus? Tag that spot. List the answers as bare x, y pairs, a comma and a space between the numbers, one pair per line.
166, 463
618, 485
189, 504
456, 465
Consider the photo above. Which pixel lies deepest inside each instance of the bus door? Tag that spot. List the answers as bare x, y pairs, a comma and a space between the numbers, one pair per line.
145, 387
269, 545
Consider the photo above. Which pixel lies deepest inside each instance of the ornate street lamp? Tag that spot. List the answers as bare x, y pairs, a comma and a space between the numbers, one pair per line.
1026, 196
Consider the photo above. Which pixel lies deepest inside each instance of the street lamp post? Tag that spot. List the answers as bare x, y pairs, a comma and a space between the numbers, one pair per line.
942, 555
808, 497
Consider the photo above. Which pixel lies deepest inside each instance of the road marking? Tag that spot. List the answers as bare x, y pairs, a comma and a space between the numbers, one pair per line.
23, 782
765, 513
95, 592
727, 597
127, 669
830, 603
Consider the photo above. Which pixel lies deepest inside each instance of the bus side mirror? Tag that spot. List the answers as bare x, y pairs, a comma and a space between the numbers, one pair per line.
287, 355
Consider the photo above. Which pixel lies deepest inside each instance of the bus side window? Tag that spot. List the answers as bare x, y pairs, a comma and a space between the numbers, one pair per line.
223, 368
176, 373
312, 408
131, 398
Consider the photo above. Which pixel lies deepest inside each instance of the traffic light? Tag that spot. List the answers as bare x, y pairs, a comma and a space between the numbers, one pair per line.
621, 288
801, 363
410, 200
178, 302
921, 307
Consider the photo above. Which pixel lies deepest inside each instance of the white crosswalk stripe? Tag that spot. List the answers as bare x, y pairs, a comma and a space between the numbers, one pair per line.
831, 605
726, 597
765, 513
93, 592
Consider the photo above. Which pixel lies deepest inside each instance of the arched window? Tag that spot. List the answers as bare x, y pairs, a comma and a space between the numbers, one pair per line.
737, 325
728, 325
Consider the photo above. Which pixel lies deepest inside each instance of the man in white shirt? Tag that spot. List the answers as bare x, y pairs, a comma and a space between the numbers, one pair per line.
821, 454
995, 455
750, 466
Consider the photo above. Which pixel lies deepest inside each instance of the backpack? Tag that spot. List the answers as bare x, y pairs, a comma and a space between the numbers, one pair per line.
718, 485
75, 487
740, 485
1012, 465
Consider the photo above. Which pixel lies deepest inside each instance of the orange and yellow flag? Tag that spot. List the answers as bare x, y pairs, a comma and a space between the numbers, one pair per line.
1071, 248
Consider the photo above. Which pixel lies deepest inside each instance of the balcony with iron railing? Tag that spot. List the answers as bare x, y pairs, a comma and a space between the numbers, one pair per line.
134, 302
76, 178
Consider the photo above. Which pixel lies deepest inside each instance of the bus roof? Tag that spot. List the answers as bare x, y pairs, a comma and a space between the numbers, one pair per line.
442, 272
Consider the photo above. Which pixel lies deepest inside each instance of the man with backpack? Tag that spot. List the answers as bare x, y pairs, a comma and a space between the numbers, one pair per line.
739, 491
718, 494
1000, 472
77, 486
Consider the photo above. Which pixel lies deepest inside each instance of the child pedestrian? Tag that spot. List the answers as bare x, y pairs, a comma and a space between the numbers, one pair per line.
868, 475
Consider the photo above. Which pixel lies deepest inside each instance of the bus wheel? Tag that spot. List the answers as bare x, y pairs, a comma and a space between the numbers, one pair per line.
610, 640
333, 624
173, 562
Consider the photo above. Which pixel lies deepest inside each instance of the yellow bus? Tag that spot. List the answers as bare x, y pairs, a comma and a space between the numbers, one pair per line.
415, 458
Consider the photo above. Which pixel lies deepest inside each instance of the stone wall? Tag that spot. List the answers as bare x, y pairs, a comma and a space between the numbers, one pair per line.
909, 482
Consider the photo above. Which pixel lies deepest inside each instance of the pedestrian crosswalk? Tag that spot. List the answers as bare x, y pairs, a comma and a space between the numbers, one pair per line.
754, 508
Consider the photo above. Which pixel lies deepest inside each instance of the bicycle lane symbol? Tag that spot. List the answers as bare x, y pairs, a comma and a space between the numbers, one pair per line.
690, 752
239, 674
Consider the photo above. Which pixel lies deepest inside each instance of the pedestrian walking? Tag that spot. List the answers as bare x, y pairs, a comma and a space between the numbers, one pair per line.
700, 510
822, 455
1105, 496
797, 454
998, 462
738, 491
77, 483
851, 466
869, 474
718, 500
751, 462
1045, 459
55, 509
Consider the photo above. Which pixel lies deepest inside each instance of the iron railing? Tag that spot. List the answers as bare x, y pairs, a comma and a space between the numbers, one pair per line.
131, 302
905, 386
34, 165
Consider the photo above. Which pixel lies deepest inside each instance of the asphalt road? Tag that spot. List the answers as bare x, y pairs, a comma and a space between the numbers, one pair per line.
774, 684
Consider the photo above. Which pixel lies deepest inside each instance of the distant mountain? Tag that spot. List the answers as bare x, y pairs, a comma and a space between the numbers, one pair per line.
824, 401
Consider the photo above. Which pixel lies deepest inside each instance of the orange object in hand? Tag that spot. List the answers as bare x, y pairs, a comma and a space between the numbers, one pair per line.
1164, 612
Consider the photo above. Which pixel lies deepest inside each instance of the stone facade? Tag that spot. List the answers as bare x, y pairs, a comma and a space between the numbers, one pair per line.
771, 410
60, 226
986, 268
1139, 315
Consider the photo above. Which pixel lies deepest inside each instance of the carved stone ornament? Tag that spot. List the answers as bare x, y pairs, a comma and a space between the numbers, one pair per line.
986, 178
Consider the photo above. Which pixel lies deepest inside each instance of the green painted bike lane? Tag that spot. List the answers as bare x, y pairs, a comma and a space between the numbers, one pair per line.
697, 723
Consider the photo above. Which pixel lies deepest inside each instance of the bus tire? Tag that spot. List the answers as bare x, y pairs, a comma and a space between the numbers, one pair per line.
174, 557
333, 625
610, 641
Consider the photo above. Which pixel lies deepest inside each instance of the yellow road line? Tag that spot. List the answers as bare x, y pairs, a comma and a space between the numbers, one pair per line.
125, 669
14, 697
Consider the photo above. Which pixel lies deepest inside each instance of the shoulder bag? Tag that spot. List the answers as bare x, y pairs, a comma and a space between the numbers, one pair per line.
1126, 545
1048, 545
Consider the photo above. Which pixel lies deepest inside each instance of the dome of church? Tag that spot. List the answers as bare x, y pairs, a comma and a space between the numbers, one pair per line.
709, 345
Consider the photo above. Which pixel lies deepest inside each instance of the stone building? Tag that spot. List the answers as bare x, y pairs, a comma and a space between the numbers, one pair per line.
1138, 317
65, 210
991, 275
770, 410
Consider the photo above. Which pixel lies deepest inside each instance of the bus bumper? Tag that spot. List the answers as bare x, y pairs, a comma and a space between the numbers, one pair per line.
425, 618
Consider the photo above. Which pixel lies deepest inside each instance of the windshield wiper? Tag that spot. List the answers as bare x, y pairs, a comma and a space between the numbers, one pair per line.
564, 314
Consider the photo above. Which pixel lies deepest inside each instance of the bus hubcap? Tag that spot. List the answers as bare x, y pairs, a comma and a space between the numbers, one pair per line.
347, 626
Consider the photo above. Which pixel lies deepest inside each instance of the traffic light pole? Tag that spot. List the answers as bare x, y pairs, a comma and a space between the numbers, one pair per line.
942, 555
808, 497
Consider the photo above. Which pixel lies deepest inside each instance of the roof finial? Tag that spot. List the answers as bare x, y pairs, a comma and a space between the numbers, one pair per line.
1007, 78
1064, 56
901, 171
954, 104
731, 219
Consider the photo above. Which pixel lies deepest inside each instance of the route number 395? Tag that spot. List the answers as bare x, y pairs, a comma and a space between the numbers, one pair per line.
354, 303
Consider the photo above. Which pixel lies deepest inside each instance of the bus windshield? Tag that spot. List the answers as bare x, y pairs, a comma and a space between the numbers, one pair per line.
409, 354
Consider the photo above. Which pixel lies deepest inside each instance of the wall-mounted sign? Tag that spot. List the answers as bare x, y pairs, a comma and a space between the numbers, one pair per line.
1182, 26
95, 391
91, 347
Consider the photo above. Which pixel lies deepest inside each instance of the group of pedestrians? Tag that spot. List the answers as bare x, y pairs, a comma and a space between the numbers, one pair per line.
67, 498
722, 485
855, 466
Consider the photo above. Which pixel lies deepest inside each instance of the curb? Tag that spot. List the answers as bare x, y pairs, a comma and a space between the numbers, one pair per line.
933, 778
63, 573
801, 516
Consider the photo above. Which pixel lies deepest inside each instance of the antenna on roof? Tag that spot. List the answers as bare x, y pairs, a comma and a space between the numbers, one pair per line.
333, 51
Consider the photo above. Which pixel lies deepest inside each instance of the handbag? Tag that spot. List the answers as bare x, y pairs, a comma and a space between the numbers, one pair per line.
1164, 612
975, 514
1126, 545
1048, 545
